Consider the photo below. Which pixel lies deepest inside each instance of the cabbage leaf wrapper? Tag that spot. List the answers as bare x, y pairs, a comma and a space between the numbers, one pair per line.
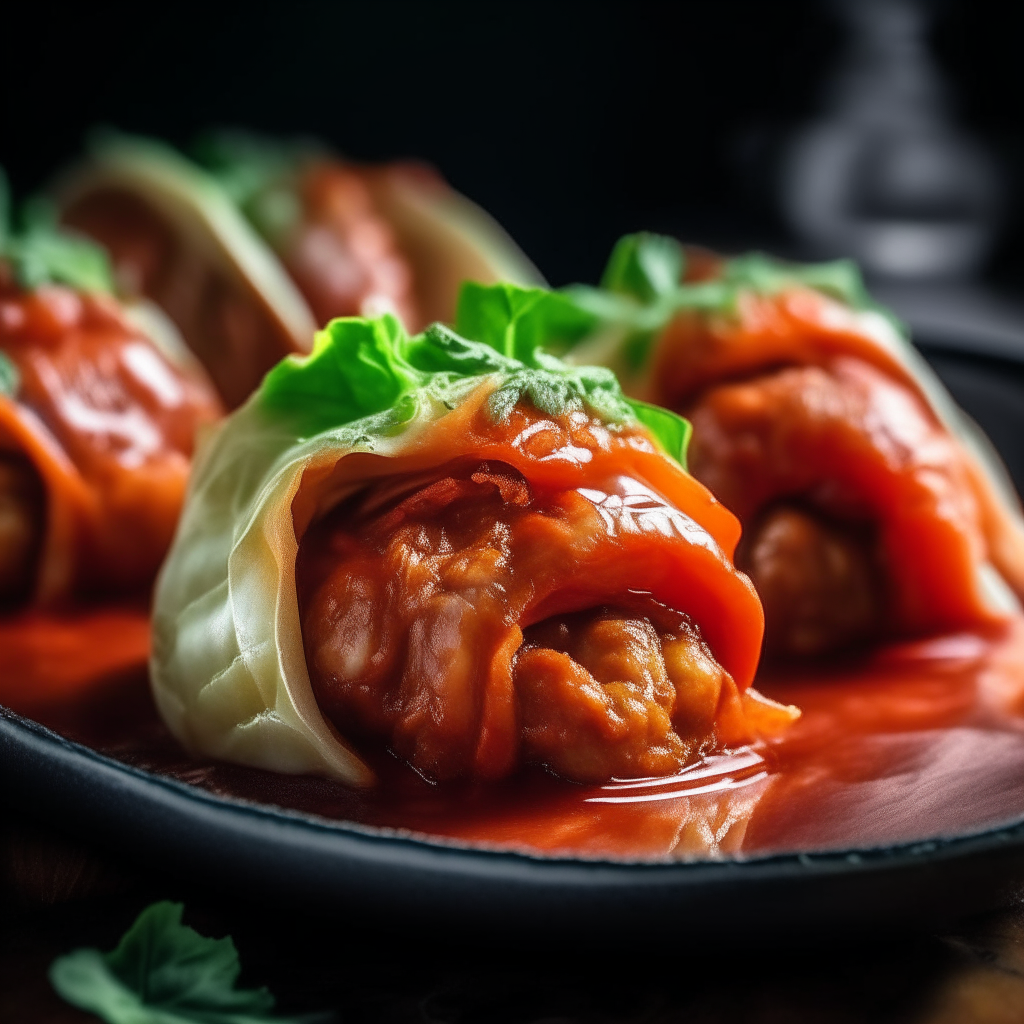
441, 546
871, 505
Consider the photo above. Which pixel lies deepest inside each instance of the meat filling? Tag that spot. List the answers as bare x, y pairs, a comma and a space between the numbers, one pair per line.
815, 580
420, 630
22, 508
606, 693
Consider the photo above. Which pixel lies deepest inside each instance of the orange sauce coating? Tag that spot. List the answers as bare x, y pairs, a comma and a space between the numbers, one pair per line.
49, 662
418, 595
858, 446
473, 622
852, 494
108, 424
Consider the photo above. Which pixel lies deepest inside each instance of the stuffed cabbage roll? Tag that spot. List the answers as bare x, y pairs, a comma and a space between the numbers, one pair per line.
96, 426
253, 248
466, 553
871, 506
361, 239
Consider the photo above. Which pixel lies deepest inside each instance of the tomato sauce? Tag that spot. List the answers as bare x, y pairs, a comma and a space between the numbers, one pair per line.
913, 742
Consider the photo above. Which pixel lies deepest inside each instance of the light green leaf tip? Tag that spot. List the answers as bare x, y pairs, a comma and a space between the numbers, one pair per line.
371, 373
519, 321
671, 430
644, 266
162, 972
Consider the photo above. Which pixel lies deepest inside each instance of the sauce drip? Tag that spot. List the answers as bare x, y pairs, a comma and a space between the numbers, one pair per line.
917, 741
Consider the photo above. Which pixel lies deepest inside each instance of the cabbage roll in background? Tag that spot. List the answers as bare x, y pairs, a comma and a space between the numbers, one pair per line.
363, 239
96, 425
871, 507
251, 249
460, 550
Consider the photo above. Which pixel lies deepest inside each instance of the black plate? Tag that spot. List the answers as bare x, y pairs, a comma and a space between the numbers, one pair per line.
296, 860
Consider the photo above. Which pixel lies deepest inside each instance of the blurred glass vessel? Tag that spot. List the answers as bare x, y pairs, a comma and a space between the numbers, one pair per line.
885, 176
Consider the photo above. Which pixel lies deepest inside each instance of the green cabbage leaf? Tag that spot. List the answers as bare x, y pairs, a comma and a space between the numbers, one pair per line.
10, 379
365, 368
522, 323
648, 268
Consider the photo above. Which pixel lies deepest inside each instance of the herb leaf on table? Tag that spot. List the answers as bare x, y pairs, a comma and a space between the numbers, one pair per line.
163, 972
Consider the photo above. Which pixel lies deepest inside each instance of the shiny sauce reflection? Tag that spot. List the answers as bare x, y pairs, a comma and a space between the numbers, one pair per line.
918, 741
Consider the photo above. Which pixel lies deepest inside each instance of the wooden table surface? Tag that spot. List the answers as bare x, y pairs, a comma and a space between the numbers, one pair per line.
56, 896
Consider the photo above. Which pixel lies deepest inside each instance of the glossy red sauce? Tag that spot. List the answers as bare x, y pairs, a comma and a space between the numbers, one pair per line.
917, 741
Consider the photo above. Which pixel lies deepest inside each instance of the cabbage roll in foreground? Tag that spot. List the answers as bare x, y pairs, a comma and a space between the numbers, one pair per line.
871, 507
249, 253
96, 426
474, 556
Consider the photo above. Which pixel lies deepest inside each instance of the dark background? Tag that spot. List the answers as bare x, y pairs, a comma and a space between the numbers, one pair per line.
571, 123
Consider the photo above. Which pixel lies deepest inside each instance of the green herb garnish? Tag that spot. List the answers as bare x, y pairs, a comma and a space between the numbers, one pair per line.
644, 266
163, 972
42, 252
642, 290
373, 371
10, 379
